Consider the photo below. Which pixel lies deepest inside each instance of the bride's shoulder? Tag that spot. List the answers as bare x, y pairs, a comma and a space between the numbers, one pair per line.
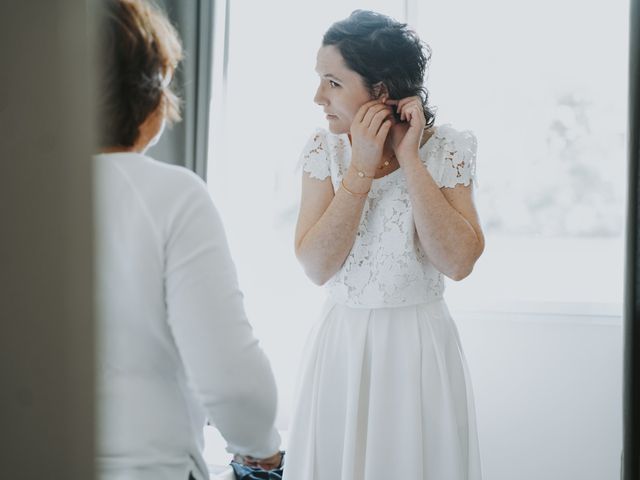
448, 134
335, 145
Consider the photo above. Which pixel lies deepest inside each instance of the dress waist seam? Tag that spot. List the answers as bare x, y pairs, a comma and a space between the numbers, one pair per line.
380, 306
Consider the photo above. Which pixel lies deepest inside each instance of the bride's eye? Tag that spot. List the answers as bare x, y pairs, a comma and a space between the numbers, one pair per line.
333, 84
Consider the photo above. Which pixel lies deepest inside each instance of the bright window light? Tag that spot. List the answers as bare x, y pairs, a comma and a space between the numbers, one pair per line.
543, 86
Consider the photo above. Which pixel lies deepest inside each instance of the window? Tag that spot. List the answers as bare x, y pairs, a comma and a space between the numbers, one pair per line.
543, 86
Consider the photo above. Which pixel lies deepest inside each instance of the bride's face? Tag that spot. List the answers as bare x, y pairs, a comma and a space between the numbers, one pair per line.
341, 91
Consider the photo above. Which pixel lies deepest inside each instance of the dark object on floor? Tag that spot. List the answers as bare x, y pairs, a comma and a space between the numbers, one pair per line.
243, 472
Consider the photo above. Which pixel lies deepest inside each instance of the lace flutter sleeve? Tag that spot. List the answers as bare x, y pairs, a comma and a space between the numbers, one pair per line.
453, 160
315, 156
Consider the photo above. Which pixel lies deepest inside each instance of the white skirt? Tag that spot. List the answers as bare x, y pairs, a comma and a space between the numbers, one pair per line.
384, 394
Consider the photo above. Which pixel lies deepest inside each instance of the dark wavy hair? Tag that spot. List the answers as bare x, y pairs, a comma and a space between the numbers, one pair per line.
139, 52
383, 50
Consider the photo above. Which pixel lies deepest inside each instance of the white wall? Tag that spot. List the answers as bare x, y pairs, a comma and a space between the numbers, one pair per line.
548, 393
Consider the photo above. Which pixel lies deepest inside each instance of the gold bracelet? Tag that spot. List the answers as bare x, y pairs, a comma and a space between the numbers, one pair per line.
361, 174
354, 194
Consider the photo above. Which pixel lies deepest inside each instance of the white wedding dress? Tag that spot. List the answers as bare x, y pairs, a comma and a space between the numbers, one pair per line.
384, 392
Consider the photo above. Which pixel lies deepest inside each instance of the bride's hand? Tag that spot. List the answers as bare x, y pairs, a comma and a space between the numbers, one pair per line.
406, 134
369, 131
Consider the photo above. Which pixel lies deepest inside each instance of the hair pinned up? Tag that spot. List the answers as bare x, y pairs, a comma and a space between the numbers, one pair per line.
383, 51
140, 51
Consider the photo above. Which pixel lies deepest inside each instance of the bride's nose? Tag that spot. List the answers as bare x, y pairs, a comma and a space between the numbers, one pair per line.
319, 98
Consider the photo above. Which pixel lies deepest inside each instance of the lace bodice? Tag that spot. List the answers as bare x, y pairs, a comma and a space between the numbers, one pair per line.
386, 265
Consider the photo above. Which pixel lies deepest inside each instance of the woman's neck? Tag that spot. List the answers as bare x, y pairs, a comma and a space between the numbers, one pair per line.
119, 150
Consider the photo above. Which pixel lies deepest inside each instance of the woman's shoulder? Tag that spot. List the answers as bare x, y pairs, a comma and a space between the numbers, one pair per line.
332, 141
448, 134
323, 152
450, 155
150, 178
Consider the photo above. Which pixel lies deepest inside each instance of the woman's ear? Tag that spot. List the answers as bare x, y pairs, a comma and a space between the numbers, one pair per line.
380, 90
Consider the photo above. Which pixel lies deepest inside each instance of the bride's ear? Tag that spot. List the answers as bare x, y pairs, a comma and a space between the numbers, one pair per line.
380, 90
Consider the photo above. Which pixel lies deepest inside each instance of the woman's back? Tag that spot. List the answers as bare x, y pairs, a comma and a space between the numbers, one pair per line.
172, 327
145, 418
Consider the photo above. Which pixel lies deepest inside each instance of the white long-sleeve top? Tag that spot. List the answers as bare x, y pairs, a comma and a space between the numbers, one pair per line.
174, 345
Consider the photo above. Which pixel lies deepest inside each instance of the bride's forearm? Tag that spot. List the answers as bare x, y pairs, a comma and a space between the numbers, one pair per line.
324, 248
447, 238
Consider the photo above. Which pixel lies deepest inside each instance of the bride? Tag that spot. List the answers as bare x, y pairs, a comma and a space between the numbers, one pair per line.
387, 211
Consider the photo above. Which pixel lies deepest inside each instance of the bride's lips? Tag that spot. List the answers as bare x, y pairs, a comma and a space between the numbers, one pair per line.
331, 117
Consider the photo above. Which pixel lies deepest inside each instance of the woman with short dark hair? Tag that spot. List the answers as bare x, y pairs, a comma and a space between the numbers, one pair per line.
175, 347
387, 211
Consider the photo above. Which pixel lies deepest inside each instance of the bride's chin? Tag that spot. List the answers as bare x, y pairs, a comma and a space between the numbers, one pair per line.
337, 129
